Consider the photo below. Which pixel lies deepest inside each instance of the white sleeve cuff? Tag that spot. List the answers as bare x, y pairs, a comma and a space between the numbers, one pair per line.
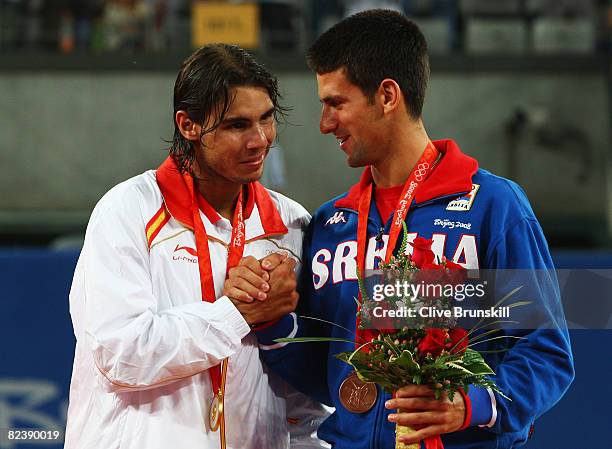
493, 409
230, 314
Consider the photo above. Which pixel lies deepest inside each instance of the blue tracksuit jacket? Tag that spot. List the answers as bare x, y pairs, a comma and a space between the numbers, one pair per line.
476, 219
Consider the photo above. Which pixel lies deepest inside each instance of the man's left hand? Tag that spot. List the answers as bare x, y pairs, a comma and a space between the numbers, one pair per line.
421, 411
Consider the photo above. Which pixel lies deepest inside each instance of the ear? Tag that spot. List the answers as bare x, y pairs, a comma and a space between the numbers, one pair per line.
390, 95
189, 129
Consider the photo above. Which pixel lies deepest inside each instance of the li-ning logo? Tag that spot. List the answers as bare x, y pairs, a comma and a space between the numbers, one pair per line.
189, 250
338, 217
421, 171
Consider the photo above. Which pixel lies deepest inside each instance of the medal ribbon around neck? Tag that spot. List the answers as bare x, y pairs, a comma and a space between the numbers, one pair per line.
207, 285
419, 173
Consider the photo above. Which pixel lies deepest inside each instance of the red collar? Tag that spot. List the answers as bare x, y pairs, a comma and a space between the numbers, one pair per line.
213, 216
452, 175
174, 187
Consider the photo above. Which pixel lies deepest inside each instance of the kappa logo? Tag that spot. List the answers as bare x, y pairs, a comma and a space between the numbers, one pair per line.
338, 217
190, 251
464, 203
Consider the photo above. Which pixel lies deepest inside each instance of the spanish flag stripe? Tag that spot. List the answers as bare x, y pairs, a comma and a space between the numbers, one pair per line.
156, 224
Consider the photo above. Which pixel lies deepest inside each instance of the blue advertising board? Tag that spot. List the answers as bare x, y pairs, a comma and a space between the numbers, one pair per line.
37, 349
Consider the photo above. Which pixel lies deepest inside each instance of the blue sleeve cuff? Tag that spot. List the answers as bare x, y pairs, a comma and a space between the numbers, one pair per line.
285, 327
482, 409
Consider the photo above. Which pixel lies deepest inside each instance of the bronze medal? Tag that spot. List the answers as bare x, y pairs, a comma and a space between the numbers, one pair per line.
215, 412
356, 395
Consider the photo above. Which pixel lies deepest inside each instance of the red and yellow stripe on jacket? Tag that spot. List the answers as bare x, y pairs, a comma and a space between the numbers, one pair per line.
156, 223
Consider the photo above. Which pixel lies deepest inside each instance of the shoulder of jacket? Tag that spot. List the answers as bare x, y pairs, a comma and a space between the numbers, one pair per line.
139, 193
502, 194
328, 209
291, 212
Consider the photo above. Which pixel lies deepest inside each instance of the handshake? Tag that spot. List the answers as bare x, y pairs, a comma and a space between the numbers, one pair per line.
263, 290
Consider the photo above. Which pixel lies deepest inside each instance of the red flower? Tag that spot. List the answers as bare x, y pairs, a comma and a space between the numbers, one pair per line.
430, 273
455, 273
367, 335
458, 336
385, 324
433, 342
437, 340
453, 266
422, 253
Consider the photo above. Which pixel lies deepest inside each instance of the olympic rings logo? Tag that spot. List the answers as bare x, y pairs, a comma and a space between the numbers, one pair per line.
421, 171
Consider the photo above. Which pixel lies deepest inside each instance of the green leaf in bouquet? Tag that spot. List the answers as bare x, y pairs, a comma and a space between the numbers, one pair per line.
458, 367
404, 245
471, 356
479, 368
519, 304
362, 289
476, 328
497, 338
406, 361
311, 340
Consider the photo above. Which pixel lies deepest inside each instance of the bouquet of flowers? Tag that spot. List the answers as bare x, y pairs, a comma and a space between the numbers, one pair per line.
431, 351
396, 352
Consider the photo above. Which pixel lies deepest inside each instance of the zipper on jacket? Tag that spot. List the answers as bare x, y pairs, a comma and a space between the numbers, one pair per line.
378, 420
353, 211
440, 198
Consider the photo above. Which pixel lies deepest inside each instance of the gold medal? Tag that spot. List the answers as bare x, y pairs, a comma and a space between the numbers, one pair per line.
215, 412
356, 395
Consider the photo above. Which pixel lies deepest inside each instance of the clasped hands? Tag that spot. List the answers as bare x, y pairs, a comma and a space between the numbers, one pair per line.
265, 290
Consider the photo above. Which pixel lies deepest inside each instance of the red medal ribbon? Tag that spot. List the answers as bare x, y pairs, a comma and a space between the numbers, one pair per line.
235, 251
419, 173
434, 442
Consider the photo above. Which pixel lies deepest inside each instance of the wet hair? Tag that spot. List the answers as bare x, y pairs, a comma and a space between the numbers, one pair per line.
371, 46
204, 90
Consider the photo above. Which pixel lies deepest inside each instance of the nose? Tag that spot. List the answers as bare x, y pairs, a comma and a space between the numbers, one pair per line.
262, 136
328, 122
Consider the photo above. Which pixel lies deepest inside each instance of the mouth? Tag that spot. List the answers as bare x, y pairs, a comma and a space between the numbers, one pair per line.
343, 140
254, 161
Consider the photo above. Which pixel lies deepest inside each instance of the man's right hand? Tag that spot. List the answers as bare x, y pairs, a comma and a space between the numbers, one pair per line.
271, 281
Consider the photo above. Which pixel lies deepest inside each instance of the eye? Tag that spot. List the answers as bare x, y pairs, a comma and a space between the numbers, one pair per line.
238, 125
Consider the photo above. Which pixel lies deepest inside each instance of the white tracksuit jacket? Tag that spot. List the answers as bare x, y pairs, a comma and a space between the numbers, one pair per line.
145, 339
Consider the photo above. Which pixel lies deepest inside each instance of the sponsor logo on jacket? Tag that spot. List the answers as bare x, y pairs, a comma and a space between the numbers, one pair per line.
183, 253
450, 224
338, 217
464, 203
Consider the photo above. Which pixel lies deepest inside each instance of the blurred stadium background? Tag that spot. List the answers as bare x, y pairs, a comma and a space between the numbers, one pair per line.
525, 86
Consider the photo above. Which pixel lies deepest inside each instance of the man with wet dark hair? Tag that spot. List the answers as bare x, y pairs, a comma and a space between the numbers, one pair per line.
372, 71
163, 358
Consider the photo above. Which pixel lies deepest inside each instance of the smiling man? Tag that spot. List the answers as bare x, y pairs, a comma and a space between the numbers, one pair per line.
163, 359
372, 71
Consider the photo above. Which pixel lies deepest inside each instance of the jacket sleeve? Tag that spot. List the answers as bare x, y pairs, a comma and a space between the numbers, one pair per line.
538, 369
137, 345
303, 365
